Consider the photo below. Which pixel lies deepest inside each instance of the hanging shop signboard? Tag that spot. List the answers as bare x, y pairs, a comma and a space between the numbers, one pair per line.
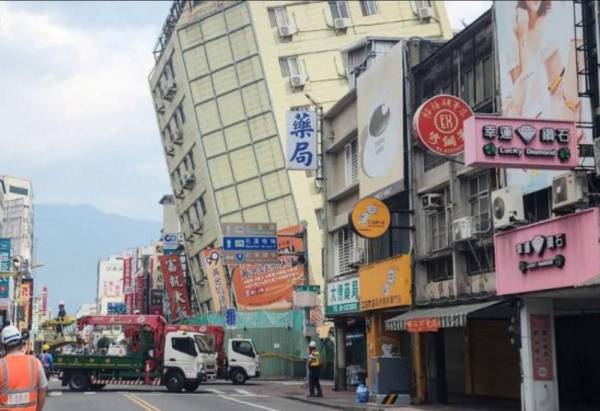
541, 347
301, 137
385, 284
422, 325
370, 218
493, 141
342, 296
555, 253
439, 124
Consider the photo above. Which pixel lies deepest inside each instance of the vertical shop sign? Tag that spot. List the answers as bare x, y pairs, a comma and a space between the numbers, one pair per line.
27, 303
5, 263
156, 301
139, 292
127, 285
217, 281
44, 300
541, 347
174, 281
301, 140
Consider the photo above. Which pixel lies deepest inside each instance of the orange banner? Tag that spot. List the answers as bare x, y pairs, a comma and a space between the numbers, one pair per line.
270, 286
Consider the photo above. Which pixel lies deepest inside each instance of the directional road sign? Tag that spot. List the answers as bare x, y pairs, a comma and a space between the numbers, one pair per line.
249, 243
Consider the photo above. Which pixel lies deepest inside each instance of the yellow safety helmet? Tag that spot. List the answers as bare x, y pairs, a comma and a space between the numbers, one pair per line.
45, 347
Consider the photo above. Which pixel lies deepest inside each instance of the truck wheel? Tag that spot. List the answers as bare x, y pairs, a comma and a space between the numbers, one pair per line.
175, 381
191, 386
79, 381
237, 377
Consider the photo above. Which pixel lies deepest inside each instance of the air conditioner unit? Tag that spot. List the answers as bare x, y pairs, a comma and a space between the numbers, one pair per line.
432, 201
188, 181
287, 30
297, 80
568, 190
357, 257
319, 183
170, 89
341, 23
178, 139
170, 150
507, 206
179, 193
463, 229
424, 12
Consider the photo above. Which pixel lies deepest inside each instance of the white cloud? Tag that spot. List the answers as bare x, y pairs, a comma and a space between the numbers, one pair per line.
460, 11
70, 92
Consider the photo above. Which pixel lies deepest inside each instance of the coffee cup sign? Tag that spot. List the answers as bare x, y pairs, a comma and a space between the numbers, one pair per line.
370, 218
439, 124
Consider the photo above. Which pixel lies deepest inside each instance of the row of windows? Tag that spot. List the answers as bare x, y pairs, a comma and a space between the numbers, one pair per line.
477, 261
195, 214
174, 126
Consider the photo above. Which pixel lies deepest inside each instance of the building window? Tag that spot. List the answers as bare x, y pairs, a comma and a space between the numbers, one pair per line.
438, 230
480, 260
440, 269
289, 66
344, 250
180, 114
167, 133
339, 9
395, 242
537, 205
369, 7
468, 86
278, 17
479, 201
18, 190
190, 158
351, 163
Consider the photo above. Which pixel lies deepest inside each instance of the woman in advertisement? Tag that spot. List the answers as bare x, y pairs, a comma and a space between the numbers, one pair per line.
539, 71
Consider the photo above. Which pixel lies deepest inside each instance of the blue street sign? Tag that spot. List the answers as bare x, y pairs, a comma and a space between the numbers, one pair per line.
250, 243
231, 316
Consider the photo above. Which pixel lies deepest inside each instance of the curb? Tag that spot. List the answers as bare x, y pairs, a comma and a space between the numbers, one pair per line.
337, 407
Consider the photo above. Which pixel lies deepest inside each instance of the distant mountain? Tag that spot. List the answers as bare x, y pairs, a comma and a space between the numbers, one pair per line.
69, 240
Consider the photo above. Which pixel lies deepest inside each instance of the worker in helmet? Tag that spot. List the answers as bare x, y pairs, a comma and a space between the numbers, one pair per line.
47, 361
23, 384
314, 370
62, 313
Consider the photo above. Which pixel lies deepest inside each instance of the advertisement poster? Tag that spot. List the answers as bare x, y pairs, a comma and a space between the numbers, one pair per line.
380, 127
385, 284
301, 136
538, 71
127, 282
212, 265
270, 286
26, 303
5, 247
139, 293
174, 282
156, 301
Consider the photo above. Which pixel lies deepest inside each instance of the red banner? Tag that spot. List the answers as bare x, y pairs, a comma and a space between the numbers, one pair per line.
26, 303
127, 286
270, 286
45, 300
139, 293
423, 325
174, 280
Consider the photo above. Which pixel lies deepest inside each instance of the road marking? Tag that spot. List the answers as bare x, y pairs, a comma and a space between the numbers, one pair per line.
214, 391
89, 392
251, 404
55, 393
137, 400
245, 392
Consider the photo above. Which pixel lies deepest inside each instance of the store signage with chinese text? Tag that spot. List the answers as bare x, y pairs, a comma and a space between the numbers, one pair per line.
175, 286
156, 301
438, 124
342, 296
270, 286
493, 141
301, 136
249, 243
306, 296
170, 243
5, 260
217, 281
370, 218
385, 284
26, 303
127, 282
555, 253
541, 347
423, 325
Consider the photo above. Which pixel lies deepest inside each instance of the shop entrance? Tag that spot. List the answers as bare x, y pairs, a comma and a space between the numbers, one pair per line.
578, 361
356, 352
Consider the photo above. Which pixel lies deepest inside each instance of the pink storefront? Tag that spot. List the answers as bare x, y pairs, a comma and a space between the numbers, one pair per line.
552, 270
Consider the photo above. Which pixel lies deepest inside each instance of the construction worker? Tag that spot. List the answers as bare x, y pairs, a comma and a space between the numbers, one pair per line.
314, 370
23, 384
47, 361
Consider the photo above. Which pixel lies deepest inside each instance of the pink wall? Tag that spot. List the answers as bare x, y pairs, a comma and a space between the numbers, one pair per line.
581, 253
475, 142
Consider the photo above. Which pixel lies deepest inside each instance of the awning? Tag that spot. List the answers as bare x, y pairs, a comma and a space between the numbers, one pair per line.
453, 316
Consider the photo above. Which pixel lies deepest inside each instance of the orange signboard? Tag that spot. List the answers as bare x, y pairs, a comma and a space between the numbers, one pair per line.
270, 286
385, 284
370, 218
422, 325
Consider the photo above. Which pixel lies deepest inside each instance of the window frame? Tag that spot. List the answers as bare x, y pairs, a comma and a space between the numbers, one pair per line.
345, 244
193, 344
369, 8
288, 65
437, 230
351, 163
339, 5
278, 20
475, 200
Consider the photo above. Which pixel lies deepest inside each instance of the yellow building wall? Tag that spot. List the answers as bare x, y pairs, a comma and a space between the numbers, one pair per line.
318, 49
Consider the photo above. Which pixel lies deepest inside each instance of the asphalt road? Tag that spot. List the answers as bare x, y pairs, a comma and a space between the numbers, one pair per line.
259, 396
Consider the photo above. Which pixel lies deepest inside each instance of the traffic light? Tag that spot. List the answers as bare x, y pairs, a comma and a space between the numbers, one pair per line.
514, 326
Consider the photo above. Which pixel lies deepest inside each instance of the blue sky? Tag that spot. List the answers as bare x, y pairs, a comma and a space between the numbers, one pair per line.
76, 110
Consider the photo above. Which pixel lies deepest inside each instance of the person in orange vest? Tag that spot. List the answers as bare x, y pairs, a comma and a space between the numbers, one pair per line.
314, 370
23, 383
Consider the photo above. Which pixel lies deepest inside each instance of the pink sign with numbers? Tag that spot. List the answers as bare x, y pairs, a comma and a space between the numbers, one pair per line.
492, 141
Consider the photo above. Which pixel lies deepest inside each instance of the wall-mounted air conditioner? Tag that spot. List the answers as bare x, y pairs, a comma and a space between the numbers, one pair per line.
188, 181
169, 89
287, 30
507, 207
341, 23
357, 257
463, 229
568, 190
297, 80
424, 12
432, 201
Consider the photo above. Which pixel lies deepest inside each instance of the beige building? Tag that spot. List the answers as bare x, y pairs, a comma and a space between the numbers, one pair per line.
226, 73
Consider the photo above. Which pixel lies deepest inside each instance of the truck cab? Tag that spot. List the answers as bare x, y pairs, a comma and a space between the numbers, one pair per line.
243, 360
188, 360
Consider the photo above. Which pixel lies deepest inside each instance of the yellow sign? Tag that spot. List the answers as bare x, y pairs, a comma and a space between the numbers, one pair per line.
385, 284
370, 218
